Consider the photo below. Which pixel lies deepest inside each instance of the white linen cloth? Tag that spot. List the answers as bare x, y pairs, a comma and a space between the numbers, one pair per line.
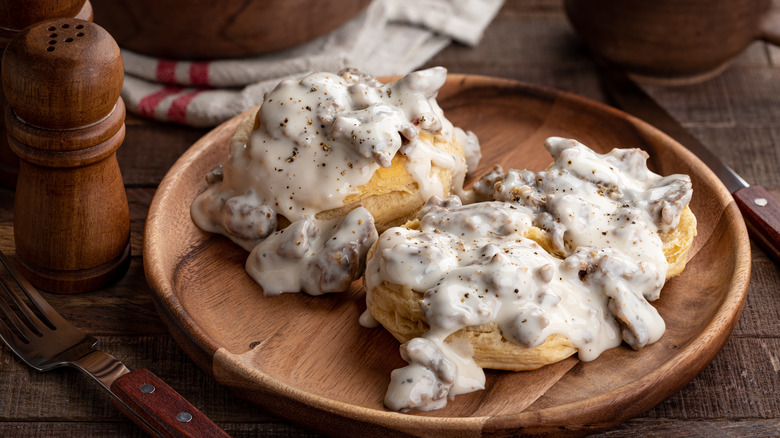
390, 37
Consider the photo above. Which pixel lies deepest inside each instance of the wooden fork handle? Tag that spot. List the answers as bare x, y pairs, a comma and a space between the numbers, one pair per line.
161, 407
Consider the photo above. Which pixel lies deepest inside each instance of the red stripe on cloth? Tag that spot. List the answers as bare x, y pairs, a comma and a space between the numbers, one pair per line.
166, 71
199, 73
178, 110
148, 104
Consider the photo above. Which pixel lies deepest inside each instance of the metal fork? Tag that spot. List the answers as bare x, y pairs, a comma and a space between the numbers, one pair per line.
44, 340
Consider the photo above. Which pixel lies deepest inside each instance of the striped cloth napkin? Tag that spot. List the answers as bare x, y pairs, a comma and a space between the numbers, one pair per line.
390, 37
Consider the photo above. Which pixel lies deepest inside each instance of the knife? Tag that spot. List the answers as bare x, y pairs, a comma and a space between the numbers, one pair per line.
759, 208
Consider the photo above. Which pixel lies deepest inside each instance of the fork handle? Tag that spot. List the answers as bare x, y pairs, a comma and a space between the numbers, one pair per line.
161, 407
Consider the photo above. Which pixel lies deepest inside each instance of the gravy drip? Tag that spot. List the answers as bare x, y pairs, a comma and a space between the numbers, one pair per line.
475, 266
319, 139
314, 256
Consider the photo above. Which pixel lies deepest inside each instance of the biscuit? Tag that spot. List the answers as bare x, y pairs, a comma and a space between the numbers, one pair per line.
391, 195
677, 242
396, 307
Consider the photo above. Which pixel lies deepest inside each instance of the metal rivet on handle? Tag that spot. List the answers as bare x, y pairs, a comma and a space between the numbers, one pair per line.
184, 417
761, 202
147, 388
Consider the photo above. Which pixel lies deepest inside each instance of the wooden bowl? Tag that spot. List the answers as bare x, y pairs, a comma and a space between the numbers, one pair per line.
672, 41
207, 29
308, 359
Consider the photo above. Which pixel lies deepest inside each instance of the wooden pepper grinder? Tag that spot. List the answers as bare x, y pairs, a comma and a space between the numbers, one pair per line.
65, 121
14, 17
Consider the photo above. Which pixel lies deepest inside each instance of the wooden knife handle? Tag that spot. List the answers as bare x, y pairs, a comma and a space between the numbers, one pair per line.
162, 407
761, 212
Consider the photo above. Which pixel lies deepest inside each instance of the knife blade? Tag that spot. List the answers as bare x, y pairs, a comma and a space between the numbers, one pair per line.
760, 210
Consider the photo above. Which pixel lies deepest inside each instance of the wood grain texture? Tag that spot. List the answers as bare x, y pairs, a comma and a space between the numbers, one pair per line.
696, 428
203, 29
735, 114
161, 409
12, 20
667, 41
283, 352
81, 429
761, 317
71, 219
149, 151
72, 65
17, 18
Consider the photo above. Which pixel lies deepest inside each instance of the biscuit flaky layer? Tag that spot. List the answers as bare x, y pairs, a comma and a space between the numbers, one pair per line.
396, 308
391, 195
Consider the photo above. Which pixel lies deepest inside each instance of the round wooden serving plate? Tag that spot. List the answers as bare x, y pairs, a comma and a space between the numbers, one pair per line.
308, 359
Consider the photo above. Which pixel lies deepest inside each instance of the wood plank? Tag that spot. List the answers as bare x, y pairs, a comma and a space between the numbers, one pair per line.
138, 199
127, 308
761, 315
81, 429
633, 428
70, 429
741, 383
65, 394
741, 98
754, 94
704, 104
694, 428
150, 148
740, 145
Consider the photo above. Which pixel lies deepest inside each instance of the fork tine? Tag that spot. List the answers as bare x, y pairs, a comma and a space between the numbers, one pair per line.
29, 316
48, 316
24, 332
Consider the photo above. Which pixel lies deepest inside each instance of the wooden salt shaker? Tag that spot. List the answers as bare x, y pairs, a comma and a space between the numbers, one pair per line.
13, 18
65, 121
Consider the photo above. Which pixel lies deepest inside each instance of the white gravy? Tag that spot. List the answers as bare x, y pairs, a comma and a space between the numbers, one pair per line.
320, 139
603, 211
312, 255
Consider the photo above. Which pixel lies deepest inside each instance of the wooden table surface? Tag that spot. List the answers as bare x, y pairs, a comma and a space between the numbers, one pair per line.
737, 114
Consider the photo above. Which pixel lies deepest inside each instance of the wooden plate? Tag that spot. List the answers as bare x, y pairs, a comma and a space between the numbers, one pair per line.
307, 358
